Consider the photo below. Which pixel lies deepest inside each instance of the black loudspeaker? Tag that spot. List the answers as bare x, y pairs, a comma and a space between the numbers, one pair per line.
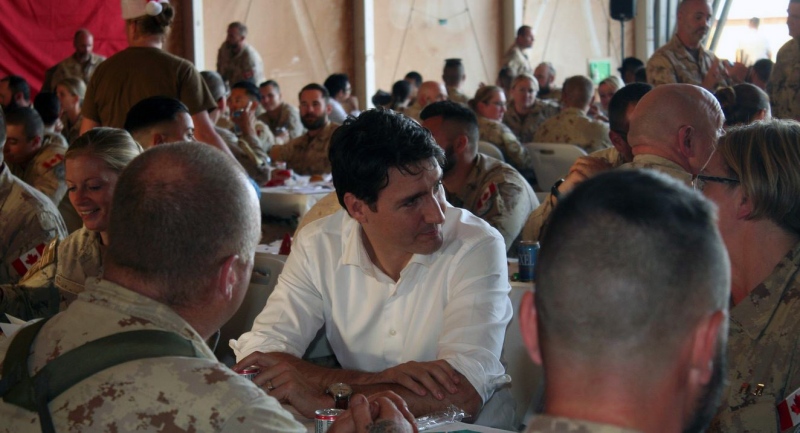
623, 10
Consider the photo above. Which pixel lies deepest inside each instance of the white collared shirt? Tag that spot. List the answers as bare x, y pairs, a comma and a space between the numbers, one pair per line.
452, 304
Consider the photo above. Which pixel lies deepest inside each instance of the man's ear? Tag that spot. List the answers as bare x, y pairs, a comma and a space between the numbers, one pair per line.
328, 108
619, 143
705, 345
355, 207
159, 139
529, 327
686, 143
461, 143
37, 142
227, 277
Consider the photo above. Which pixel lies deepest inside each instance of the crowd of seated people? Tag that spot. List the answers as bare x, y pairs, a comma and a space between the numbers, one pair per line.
666, 287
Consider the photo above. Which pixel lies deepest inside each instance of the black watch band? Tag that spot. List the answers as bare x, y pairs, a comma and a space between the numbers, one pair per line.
554, 190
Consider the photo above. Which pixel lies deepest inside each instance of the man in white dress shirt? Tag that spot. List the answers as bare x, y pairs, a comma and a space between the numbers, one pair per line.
412, 292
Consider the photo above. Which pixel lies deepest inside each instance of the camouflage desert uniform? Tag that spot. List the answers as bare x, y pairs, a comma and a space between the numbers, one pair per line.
551, 424
244, 66
784, 83
573, 126
253, 158
673, 63
515, 60
70, 67
148, 395
306, 155
554, 94
524, 127
325, 206
494, 132
455, 95
28, 221
653, 162
535, 224
498, 194
763, 352
45, 171
413, 111
288, 117
57, 278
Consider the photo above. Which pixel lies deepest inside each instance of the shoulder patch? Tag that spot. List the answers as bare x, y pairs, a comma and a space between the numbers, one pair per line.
486, 201
52, 162
28, 259
48, 256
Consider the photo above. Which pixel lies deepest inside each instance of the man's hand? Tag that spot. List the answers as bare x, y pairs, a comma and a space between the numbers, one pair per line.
582, 169
421, 377
280, 379
246, 120
383, 413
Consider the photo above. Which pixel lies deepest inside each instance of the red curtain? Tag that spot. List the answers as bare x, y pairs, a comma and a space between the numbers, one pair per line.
37, 34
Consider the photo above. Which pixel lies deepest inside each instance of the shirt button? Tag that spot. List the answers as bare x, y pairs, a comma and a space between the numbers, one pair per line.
392, 332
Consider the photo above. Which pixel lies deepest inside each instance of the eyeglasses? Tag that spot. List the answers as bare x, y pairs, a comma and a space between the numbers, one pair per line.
699, 181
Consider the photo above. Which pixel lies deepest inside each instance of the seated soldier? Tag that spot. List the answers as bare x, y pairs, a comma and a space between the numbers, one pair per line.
158, 120
28, 221
283, 119
30, 157
243, 103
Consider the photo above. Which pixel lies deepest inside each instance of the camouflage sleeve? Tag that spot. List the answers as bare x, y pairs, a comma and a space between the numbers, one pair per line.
265, 137
514, 152
535, 224
36, 294
50, 178
660, 70
262, 414
499, 205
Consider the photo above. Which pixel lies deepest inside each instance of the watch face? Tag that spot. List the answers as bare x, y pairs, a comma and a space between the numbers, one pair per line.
340, 390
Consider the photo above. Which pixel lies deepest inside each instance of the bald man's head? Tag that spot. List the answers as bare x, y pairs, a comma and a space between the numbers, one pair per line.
679, 121
430, 92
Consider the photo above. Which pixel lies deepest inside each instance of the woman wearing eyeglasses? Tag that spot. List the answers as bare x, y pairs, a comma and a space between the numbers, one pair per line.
754, 178
489, 104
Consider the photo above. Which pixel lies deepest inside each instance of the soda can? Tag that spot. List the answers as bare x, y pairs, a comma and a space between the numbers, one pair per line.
527, 252
326, 417
250, 372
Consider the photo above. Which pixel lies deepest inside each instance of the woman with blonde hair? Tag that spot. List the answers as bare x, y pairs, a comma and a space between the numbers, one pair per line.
70, 92
525, 112
489, 104
93, 164
605, 91
754, 180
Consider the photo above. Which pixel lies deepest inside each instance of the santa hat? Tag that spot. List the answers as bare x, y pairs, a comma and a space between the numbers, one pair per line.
137, 8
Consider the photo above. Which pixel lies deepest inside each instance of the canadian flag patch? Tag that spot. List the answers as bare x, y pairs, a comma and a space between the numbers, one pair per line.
52, 162
25, 261
486, 200
789, 410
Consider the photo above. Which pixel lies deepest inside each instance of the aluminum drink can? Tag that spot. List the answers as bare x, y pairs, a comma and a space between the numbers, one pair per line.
326, 417
527, 253
250, 372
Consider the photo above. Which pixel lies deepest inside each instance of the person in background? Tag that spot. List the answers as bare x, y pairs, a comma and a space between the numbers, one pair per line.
93, 164
651, 333
490, 189
342, 101
504, 80
743, 103
760, 73
605, 90
573, 125
750, 178
429, 92
14, 92
515, 58
628, 69
243, 102
30, 157
401, 95
526, 112
159, 120
782, 88
453, 77
282, 118
29, 220
81, 64
237, 60
415, 79
545, 74
143, 70
490, 105
70, 92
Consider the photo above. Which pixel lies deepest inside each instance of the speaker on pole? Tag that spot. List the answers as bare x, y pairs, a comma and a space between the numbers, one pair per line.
623, 10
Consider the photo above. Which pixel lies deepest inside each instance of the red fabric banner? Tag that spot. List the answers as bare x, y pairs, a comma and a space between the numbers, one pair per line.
37, 34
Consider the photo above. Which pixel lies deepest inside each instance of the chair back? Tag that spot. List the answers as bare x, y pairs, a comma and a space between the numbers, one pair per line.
490, 149
551, 161
266, 269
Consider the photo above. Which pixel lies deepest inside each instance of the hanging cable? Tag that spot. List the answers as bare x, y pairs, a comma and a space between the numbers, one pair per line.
316, 38
403, 41
477, 43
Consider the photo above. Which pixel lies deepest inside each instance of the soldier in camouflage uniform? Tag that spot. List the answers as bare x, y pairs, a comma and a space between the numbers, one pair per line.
283, 119
572, 125
61, 272
244, 101
308, 153
490, 189
237, 60
81, 64
453, 76
683, 59
545, 74
515, 59
638, 326
30, 157
783, 86
763, 239
525, 112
